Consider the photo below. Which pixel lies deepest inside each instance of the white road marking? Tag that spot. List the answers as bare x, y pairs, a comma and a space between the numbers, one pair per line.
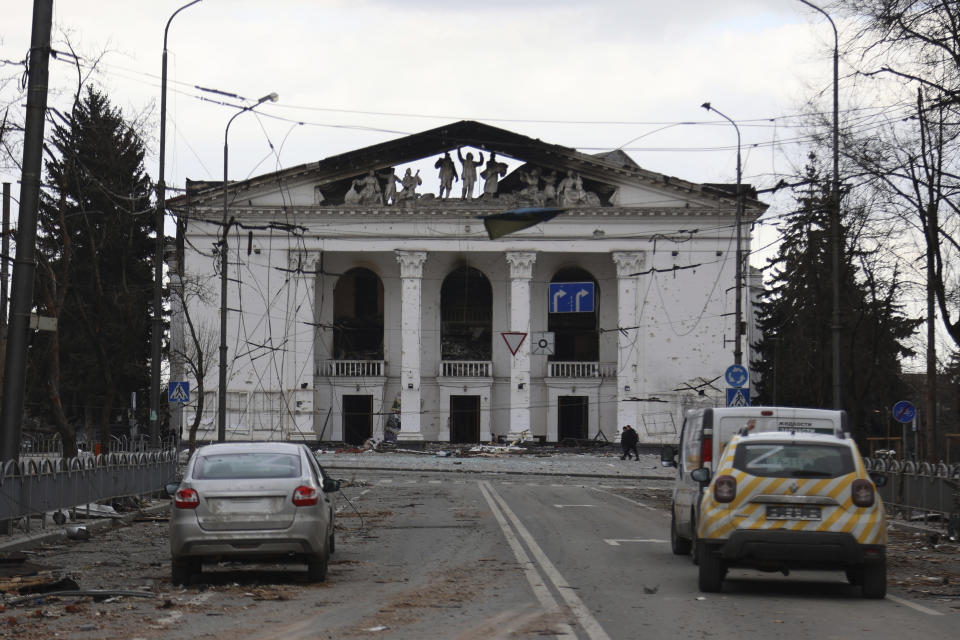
615, 542
914, 605
540, 590
639, 504
577, 607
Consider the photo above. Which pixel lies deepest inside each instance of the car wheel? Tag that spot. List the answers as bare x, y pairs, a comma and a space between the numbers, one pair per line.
680, 546
332, 543
712, 568
182, 570
317, 567
695, 543
874, 583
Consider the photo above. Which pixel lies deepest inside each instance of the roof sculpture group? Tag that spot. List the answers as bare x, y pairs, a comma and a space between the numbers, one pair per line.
540, 188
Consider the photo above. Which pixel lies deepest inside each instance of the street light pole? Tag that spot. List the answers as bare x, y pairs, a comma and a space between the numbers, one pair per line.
738, 313
155, 341
222, 389
835, 238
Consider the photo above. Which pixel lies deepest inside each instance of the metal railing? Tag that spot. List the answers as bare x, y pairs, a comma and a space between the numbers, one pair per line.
919, 490
466, 368
351, 368
35, 487
581, 369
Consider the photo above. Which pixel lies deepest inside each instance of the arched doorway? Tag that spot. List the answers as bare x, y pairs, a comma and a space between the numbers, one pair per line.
358, 316
466, 316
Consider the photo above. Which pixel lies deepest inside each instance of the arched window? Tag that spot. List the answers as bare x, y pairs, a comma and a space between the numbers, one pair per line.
358, 316
466, 315
576, 335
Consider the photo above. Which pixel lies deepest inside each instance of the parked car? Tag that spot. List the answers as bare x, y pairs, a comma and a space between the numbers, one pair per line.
703, 437
786, 500
255, 501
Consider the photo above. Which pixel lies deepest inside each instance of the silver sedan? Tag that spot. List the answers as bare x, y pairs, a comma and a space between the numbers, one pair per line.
253, 501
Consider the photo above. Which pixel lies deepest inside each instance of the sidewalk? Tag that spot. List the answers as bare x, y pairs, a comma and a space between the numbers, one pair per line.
531, 462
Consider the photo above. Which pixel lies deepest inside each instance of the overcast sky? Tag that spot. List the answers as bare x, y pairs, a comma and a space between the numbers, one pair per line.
591, 75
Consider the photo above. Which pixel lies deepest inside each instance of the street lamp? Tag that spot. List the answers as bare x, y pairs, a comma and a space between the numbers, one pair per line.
836, 241
738, 313
155, 341
222, 391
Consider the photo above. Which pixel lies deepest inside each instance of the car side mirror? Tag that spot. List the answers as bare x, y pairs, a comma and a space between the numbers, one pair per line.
171, 488
330, 485
878, 479
701, 475
668, 456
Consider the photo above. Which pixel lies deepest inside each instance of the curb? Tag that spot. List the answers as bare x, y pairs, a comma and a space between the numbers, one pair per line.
28, 540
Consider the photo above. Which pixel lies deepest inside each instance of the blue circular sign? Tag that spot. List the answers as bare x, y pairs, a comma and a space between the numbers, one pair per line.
904, 411
736, 375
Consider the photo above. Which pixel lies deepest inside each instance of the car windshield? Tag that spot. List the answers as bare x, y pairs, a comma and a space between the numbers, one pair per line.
793, 459
247, 465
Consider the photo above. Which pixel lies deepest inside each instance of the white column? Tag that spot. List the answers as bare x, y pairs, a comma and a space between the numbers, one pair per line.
521, 271
629, 339
411, 277
298, 379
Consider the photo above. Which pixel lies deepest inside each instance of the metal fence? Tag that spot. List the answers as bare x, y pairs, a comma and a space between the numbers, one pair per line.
920, 491
35, 486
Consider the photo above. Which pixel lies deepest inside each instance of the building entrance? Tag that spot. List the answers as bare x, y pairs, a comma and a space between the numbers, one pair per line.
464, 419
357, 419
572, 417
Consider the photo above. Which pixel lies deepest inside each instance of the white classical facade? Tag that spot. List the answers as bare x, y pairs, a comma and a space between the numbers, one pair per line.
343, 308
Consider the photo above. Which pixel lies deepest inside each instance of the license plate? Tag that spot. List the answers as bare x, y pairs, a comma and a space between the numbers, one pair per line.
791, 512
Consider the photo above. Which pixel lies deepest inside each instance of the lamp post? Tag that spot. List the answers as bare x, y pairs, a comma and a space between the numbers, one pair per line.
156, 341
835, 238
738, 313
222, 390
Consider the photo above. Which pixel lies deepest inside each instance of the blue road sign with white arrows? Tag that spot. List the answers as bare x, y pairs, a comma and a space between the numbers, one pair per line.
178, 392
571, 297
736, 375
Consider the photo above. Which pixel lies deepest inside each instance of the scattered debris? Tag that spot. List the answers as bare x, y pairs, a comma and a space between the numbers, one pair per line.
78, 532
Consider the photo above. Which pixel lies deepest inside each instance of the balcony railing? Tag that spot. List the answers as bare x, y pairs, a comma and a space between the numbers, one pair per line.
581, 369
466, 368
351, 368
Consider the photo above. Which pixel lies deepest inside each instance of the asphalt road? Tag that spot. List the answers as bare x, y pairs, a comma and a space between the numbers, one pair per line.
470, 556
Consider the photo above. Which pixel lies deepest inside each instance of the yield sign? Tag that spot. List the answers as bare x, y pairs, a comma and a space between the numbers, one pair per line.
513, 339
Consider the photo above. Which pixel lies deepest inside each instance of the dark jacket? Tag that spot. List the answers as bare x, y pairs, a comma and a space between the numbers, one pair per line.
629, 438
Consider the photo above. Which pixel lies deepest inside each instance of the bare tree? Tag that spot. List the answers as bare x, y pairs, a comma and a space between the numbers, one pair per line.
198, 352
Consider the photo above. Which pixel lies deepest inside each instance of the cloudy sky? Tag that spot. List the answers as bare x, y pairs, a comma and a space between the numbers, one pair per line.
590, 75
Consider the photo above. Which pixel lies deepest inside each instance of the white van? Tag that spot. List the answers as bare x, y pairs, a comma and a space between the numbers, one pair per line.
705, 434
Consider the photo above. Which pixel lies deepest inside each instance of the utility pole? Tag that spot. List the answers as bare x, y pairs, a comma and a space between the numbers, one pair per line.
21, 295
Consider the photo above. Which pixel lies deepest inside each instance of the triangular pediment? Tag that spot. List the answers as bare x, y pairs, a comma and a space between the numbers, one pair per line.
609, 179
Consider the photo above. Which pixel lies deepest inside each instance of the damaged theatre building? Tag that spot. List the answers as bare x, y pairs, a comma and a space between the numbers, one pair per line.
355, 295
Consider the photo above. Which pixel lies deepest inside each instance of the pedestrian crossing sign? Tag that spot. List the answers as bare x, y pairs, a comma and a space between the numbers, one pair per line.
738, 396
178, 392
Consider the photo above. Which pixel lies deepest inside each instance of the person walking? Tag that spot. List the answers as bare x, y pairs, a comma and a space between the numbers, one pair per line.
628, 442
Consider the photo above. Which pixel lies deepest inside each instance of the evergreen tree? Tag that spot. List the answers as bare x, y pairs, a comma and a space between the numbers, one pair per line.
795, 365
94, 272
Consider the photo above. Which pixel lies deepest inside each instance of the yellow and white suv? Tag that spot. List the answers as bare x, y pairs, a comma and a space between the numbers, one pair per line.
790, 500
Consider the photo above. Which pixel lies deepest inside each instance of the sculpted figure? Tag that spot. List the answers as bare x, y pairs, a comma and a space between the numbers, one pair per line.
469, 173
532, 192
390, 190
448, 173
549, 186
492, 174
353, 193
369, 189
410, 184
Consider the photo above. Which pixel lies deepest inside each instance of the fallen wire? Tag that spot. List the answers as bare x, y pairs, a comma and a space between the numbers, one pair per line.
359, 515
